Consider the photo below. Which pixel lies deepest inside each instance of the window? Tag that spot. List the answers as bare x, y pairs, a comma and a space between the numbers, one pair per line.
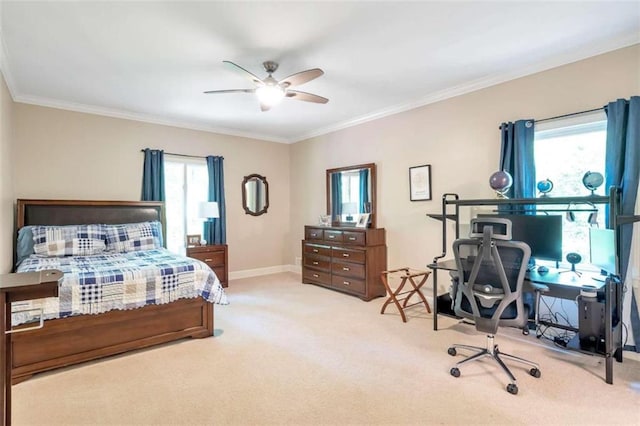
186, 185
564, 151
350, 194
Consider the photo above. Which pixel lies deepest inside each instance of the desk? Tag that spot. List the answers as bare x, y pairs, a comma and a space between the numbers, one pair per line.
565, 285
14, 288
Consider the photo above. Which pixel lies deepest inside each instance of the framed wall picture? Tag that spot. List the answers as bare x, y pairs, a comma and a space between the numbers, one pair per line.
420, 182
193, 240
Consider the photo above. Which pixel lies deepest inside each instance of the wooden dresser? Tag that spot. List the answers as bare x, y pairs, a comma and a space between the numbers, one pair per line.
215, 256
346, 259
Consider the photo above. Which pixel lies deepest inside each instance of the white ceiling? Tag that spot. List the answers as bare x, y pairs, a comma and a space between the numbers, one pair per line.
151, 61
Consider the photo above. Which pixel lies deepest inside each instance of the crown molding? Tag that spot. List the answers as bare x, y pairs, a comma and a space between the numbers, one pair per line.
483, 83
145, 118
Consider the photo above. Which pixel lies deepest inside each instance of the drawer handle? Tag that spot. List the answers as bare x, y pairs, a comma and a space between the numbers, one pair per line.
352, 238
315, 263
344, 268
315, 250
345, 254
346, 282
208, 260
316, 276
332, 237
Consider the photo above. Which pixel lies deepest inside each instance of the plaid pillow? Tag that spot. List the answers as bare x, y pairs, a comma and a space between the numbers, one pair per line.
134, 237
72, 240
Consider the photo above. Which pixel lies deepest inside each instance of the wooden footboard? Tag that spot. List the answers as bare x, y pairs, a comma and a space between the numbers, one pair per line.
72, 340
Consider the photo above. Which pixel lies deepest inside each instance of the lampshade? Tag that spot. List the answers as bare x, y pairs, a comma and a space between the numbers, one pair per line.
208, 209
349, 208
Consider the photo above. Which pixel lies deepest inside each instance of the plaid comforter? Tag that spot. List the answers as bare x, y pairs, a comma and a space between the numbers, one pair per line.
96, 284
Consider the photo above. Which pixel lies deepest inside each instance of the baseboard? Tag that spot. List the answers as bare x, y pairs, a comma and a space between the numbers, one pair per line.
248, 273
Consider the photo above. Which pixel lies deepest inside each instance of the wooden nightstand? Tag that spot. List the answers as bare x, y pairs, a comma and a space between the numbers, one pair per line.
14, 288
215, 257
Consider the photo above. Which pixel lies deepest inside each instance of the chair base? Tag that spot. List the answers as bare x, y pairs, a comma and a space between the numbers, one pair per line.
494, 353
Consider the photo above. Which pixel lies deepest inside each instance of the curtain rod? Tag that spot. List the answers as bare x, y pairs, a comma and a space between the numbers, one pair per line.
569, 115
564, 115
182, 155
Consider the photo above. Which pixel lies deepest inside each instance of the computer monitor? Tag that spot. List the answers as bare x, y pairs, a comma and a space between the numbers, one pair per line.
602, 249
543, 233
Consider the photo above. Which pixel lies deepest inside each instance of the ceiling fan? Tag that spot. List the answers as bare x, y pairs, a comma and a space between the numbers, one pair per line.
271, 91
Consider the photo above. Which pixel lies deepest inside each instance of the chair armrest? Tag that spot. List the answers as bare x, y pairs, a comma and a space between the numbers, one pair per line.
540, 288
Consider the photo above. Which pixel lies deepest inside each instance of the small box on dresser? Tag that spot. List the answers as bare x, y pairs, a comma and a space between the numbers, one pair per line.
215, 256
350, 260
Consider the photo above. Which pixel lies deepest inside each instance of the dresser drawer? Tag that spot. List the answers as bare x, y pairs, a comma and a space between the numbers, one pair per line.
314, 234
356, 238
348, 284
317, 262
350, 255
212, 259
333, 235
316, 276
354, 270
314, 249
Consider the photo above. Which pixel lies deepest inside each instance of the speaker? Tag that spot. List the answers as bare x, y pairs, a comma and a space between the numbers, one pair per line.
590, 322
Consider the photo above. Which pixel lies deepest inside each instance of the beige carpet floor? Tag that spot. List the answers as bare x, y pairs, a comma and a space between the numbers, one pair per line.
288, 353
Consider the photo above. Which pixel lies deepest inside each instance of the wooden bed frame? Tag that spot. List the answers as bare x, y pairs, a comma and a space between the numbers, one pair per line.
76, 339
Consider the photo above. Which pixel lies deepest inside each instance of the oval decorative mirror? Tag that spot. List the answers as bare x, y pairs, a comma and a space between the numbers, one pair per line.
255, 194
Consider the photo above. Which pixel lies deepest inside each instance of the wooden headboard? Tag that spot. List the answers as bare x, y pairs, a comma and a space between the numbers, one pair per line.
82, 212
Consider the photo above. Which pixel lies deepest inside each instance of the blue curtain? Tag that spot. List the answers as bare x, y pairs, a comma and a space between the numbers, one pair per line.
364, 190
153, 175
215, 230
336, 196
516, 157
622, 167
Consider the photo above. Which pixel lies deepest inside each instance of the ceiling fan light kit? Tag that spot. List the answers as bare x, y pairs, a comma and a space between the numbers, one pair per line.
270, 91
270, 95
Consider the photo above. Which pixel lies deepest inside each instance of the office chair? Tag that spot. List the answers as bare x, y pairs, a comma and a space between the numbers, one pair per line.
491, 271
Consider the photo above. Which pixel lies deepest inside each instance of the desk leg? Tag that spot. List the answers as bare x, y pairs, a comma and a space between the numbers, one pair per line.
435, 299
5, 365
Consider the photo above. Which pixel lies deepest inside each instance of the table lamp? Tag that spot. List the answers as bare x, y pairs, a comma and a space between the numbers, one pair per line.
208, 210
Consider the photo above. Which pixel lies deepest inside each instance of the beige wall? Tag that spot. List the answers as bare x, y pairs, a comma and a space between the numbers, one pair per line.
459, 137
71, 155
6, 181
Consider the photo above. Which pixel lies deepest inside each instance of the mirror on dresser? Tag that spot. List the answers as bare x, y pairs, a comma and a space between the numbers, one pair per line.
255, 194
351, 191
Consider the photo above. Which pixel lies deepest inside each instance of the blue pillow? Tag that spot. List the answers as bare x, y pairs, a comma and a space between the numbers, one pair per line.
24, 248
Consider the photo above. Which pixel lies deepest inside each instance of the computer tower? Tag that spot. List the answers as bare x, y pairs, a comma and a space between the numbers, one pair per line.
591, 323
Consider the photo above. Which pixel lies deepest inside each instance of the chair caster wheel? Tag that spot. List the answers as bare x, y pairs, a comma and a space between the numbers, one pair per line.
512, 389
456, 373
525, 331
452, 351
535, 373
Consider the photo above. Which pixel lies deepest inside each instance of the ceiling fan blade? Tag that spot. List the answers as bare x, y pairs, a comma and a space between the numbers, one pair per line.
301, 77
248, 74
264, 107
307, 97
208, 92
